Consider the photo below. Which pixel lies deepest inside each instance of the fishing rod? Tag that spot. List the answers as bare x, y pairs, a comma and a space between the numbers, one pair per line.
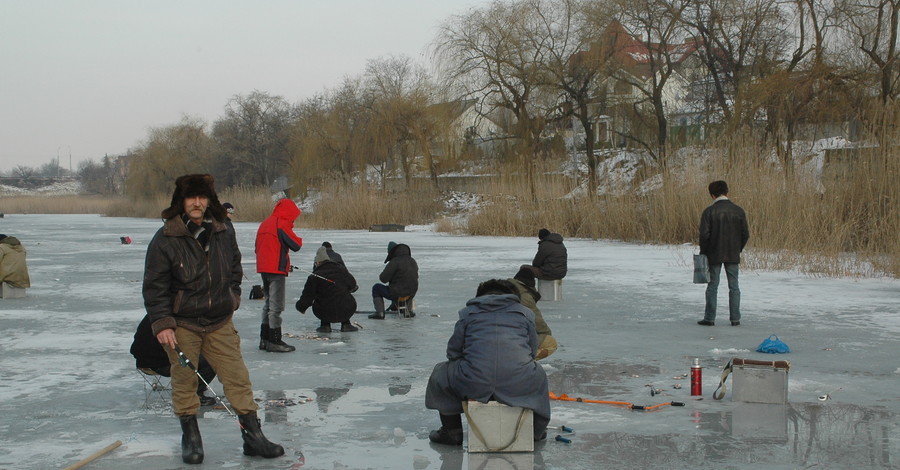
629, 405
311, 273
185, 362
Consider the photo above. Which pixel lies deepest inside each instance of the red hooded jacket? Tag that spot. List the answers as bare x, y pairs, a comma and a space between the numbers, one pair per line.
275, 236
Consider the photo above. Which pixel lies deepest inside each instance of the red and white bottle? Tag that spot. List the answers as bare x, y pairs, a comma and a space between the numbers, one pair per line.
696, 378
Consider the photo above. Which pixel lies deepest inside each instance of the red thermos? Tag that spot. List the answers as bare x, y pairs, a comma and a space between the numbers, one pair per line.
696, 378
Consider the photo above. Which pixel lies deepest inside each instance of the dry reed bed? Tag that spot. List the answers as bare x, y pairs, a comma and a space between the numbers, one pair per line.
849, 229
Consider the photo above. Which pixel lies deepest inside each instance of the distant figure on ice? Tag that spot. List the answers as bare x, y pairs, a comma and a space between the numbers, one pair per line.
329, 291
529, 296
150, 355
192, 286
13, 268
229, 211
491, 356
273, 240
723, 234
551, 261
401, 275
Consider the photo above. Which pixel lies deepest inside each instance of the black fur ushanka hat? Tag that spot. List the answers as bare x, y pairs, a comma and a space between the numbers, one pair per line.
195, 185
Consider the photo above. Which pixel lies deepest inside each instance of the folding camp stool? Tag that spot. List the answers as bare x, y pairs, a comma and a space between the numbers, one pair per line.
406, 306
157, 389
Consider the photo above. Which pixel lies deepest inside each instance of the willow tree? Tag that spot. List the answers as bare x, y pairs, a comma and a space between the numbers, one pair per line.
168, 153
496, 55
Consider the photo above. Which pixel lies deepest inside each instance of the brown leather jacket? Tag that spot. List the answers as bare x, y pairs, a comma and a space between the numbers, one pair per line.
188, 287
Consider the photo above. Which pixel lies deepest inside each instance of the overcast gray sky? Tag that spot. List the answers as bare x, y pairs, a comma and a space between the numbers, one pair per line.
91, 77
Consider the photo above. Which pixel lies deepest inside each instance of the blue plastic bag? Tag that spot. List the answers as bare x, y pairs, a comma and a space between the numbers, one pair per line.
773, 345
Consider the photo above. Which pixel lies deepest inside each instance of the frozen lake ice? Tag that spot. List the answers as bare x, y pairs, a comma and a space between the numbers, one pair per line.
626, 325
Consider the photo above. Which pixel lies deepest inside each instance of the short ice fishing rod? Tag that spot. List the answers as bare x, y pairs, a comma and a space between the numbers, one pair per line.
311, 273
629, 405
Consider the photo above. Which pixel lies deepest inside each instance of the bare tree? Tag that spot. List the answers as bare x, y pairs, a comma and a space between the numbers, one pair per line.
657, 26
253, 137
873, 27
494, 55
401, 124
578, 64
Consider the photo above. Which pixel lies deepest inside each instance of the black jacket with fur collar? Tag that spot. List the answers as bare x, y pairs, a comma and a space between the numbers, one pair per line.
187, 286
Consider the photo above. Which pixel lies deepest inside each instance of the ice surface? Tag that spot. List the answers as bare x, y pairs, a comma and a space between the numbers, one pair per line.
627, 325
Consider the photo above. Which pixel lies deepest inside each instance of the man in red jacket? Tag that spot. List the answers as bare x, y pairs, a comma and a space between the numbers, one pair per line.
273, 240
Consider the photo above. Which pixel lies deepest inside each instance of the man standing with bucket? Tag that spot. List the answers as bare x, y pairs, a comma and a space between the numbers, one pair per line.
723, 234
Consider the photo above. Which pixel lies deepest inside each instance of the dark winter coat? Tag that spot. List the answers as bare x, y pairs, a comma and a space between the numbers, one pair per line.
188, 287
401, 273
723, 232
331, 302
275, 237
551, 257
147, 352
492, 356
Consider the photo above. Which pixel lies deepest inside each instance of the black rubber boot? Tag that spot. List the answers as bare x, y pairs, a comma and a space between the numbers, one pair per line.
379, 308
263, 335
275, 344
450, 432
191, 443
324, 327
255, 443
347, 327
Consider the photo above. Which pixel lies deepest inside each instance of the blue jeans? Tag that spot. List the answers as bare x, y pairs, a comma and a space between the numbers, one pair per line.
273, 287
734, 291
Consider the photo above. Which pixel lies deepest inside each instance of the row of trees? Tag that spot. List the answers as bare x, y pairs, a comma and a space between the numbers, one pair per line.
534, 66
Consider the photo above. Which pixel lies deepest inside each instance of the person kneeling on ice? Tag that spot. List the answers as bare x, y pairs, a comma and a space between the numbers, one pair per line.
329, 290
401, 275
491, 357
192, 286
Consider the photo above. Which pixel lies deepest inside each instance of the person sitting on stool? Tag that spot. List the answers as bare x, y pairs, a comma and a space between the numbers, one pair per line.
149, 354
491, 356
402, 276
551, 261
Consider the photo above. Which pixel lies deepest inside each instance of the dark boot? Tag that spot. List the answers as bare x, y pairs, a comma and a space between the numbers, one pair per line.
379, 308
450, 432
324, 327
263, 335
347, 327
275, 344
255, 443
191, 443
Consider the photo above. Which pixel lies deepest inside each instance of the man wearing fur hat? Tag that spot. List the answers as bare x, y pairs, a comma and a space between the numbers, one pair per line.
192, 286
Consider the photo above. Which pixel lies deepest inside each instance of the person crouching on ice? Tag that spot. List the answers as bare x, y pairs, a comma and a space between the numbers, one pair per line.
491, 357
329, 291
